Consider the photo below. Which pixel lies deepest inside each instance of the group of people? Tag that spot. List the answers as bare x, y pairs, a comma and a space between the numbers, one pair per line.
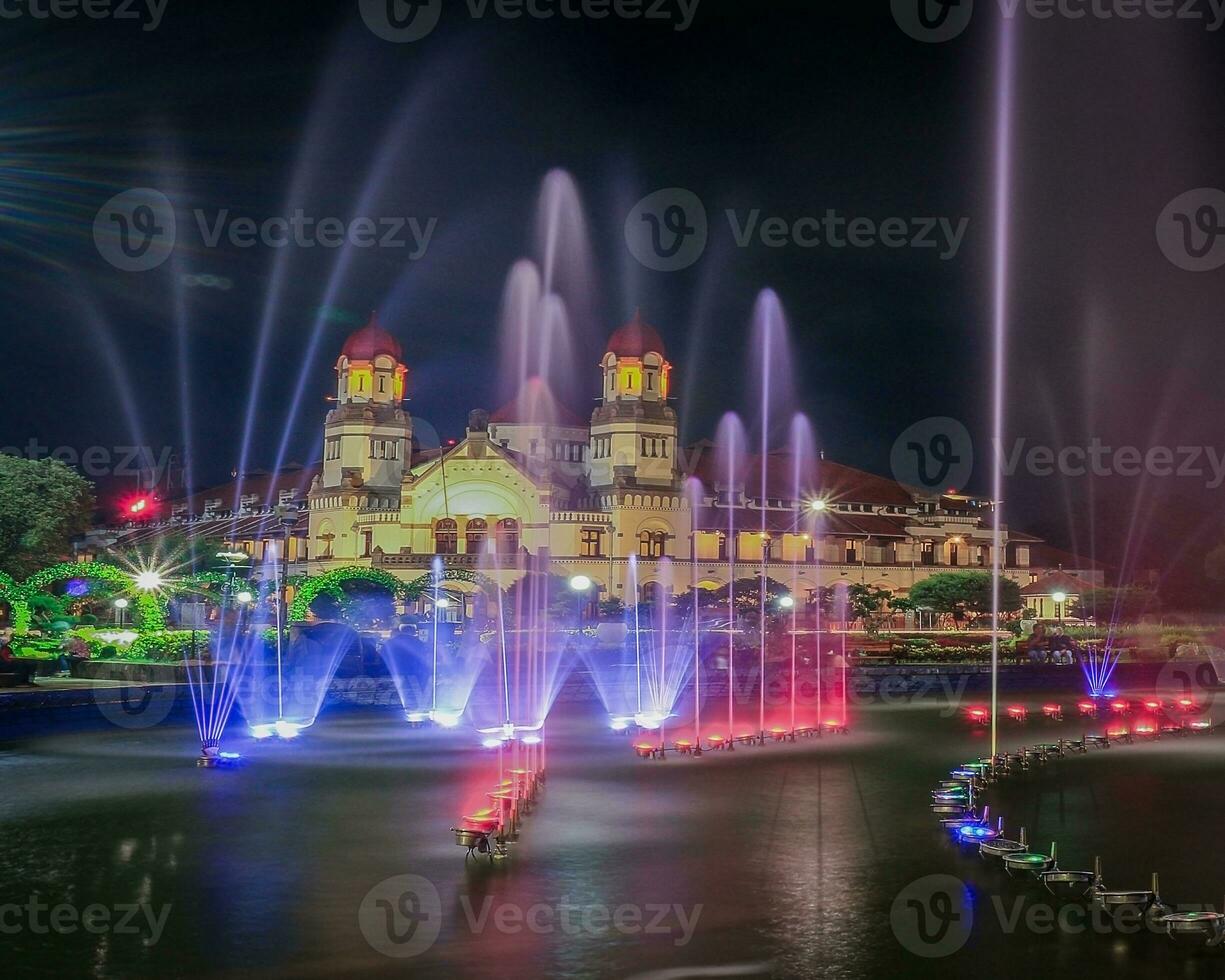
1052, 648
73, 651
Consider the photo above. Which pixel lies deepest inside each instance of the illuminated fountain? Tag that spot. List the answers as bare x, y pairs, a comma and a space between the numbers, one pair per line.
288, 677
434, 677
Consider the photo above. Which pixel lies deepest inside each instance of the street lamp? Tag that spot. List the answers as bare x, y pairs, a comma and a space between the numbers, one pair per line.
245, 597
579, 584
786, 602
121, 606
1060, 598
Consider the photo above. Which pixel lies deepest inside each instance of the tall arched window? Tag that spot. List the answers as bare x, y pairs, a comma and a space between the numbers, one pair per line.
446, 536
508, 536
651, 544
475, 532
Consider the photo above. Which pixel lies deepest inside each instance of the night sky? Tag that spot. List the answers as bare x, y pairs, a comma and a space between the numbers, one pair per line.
792, 109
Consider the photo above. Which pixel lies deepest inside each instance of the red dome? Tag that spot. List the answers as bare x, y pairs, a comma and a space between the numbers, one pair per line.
636, 338
371, 341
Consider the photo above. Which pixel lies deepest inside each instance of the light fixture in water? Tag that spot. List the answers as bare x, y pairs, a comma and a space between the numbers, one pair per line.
445, 719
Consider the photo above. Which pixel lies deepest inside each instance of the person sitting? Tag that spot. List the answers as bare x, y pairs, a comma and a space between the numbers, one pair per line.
9, 664
74, 650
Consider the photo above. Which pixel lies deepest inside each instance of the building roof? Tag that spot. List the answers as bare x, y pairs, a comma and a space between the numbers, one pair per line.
635, 338
241, 528
536, 403
823, 478
370, 341
1047, 556
803, 521
265, 487
1058, 581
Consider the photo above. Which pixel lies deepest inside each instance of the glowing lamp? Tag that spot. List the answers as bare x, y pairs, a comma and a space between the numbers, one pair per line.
446, 719
1052, 710
977, 832
530, 740
414, 717
1152, 705
580, 583
833, 723
1059, 597
121, 603
246, 598
491, 743
786, 602
149, 581
1119, 706
1018, 712
1086, 707
619, 724
1186, 703
817, 505
442, 602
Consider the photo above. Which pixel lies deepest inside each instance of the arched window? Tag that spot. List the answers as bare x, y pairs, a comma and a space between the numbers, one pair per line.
476, 531
446, 536
651, 544
508, 536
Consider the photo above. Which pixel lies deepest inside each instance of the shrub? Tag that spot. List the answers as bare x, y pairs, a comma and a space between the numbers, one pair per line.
166, 646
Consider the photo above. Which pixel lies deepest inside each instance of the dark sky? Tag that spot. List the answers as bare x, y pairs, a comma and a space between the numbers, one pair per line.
791, 109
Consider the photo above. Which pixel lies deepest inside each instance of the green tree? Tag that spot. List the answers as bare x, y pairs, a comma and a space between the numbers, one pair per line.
43, 506
964, 595
1125, 604
868, 603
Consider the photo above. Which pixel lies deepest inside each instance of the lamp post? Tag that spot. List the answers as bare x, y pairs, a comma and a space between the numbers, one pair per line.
121, 605
580, 585
1059, 599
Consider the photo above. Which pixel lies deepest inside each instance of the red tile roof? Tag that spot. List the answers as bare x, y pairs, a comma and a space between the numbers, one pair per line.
823, 478
635, 338
1054, 582
370, 341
